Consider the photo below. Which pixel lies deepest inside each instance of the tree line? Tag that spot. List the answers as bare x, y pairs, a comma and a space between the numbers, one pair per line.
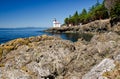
96, 12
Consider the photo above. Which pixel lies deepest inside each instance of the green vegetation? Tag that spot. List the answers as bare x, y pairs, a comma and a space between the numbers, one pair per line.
108, 9
115, 11
96, 12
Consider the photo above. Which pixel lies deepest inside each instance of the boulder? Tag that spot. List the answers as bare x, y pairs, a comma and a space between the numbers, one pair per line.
97, 71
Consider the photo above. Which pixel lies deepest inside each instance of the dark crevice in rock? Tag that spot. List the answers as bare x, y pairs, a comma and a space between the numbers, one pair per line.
51, 76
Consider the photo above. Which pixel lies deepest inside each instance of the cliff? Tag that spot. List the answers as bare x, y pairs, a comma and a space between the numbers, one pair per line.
50, 57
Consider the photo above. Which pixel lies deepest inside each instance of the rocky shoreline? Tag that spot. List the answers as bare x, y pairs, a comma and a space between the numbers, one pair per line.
51, 57
98, 26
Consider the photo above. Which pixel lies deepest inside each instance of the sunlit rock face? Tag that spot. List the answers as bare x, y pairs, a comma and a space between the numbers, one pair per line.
50, 57
97, 71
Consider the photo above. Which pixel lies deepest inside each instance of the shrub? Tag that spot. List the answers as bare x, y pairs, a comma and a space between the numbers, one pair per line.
115, 11
115, 14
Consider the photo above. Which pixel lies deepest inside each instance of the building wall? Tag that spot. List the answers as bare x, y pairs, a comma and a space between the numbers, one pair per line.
56, 24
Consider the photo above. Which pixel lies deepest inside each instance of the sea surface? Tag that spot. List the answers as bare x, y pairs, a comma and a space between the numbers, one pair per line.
7, 34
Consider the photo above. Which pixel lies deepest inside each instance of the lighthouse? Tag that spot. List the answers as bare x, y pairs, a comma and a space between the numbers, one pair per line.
56, 23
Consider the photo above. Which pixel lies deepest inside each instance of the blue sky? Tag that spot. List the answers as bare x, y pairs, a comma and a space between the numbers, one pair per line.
38, 13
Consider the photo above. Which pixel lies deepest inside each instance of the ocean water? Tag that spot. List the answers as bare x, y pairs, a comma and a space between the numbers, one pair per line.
7, 34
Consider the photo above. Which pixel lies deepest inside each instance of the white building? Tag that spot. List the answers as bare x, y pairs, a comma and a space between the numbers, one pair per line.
56, 23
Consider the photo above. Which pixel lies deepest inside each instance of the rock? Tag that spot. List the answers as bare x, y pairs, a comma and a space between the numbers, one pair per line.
14, 44
110, 36
45, 58
97, 71
14, 74
95, 26
117, 58
50, 57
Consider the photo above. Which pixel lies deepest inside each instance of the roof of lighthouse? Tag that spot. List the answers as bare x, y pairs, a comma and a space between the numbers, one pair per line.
56, 22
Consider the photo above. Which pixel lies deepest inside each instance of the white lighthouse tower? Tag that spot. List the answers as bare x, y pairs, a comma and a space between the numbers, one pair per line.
56, 23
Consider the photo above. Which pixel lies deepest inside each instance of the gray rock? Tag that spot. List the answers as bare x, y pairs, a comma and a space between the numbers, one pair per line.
97, 71
15, 74
50, 57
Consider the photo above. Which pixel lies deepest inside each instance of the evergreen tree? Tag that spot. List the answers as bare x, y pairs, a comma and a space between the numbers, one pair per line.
76, 18
96, 12
97, 4
100, 12
115, 12
82, 16
66, 21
